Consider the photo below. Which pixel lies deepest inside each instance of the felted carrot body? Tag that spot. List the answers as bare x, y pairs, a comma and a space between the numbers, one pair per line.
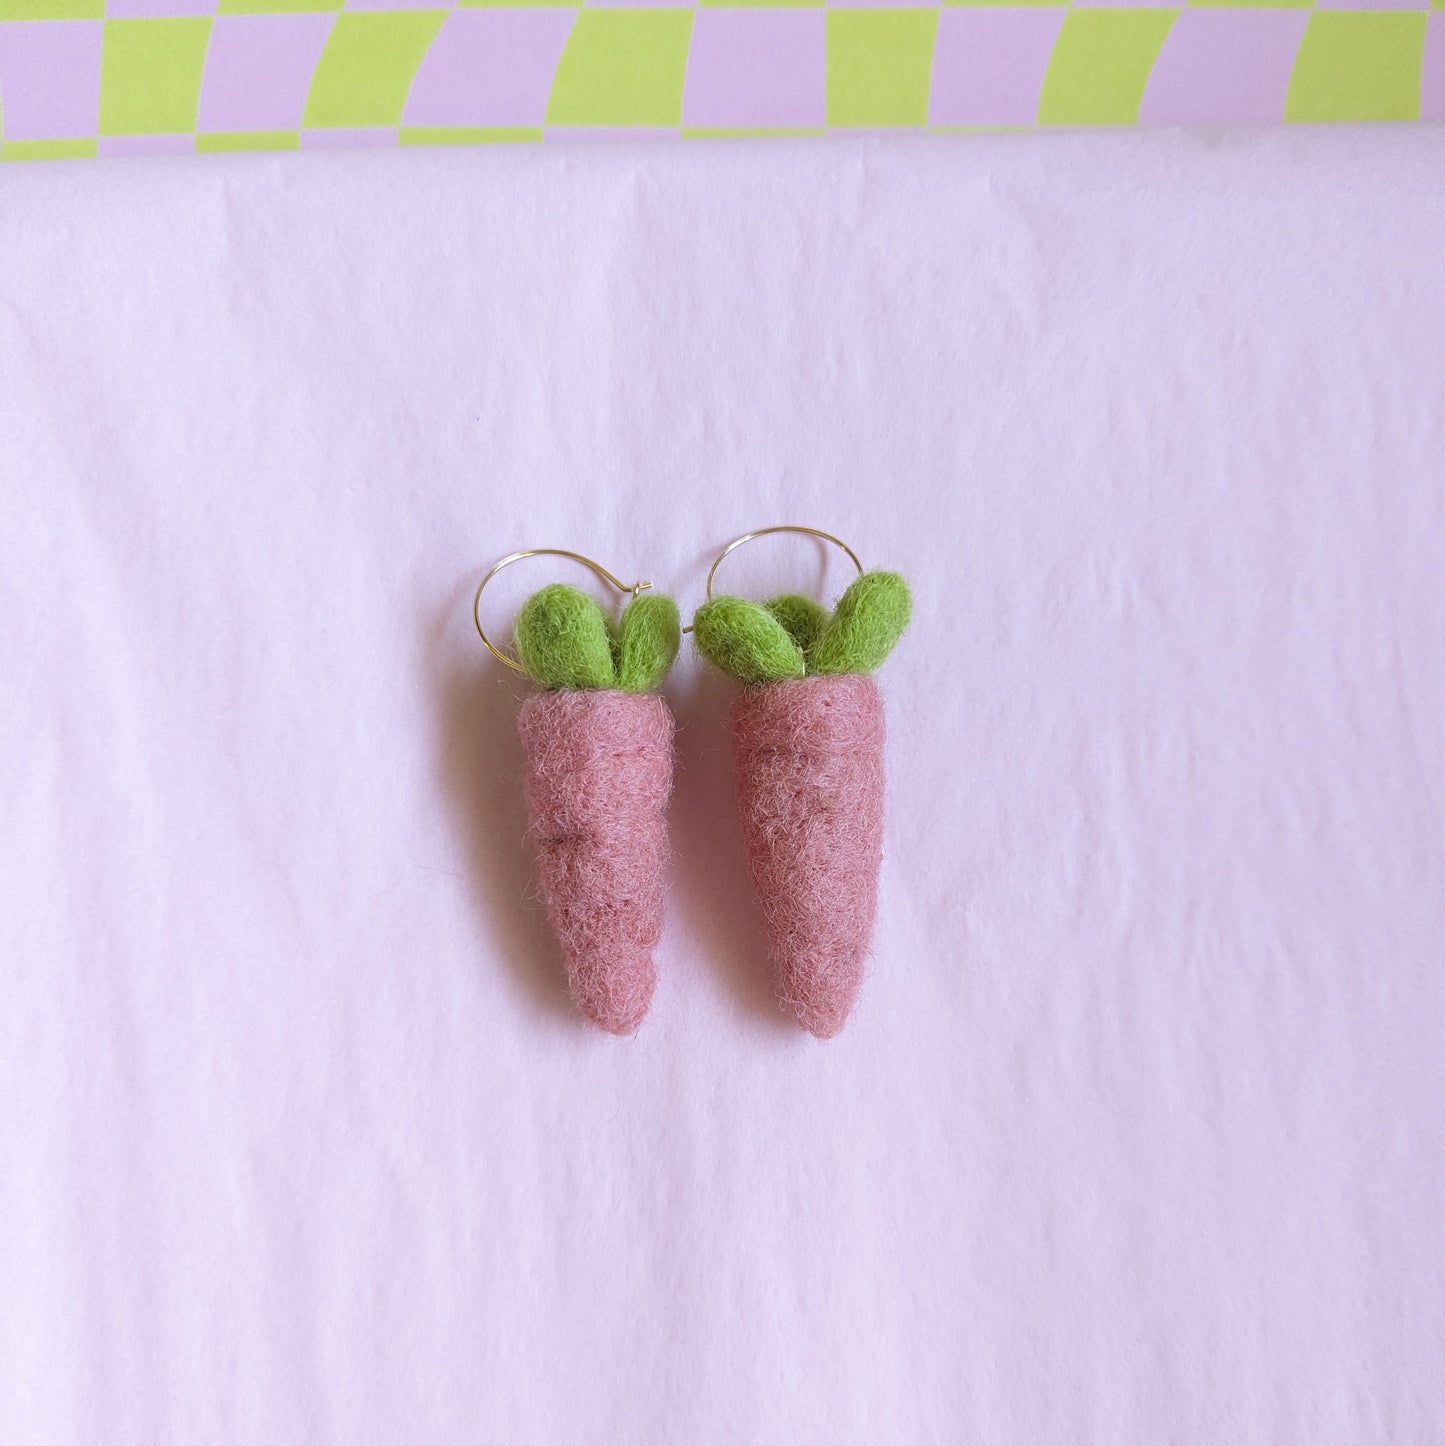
598, 746
808, 733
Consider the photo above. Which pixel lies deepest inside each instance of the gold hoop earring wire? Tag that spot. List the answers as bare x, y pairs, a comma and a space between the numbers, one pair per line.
747, 537
596, 567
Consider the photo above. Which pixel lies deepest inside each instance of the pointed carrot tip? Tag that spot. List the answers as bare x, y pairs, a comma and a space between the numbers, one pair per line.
621, 1025
619, 1021
615, 991
823, 1018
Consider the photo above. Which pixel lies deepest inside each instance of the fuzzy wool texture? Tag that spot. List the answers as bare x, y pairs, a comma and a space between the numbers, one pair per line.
792, 636
808, 768
647, 639
744, 639
865, 627
802, 617
564, 640
598, 779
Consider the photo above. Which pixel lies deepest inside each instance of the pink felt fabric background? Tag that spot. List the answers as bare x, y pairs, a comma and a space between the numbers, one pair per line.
1136, 1135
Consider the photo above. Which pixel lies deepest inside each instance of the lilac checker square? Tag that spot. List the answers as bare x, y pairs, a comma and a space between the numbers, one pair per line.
172, 145
1224, 65
50, 78
490, 68
588, 135
989, 64
757, 67
151, 9
1432, 77
1372, 4
349, 138
258, 70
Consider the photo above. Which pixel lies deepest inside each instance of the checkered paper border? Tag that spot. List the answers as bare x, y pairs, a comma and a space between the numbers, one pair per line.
87, 77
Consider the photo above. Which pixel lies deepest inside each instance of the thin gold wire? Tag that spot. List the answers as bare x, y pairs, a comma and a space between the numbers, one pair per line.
596, 567
737, 542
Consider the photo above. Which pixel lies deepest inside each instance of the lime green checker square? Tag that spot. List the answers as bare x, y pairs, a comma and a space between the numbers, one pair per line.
51, 9
747, 133
1253, 4
468, 135
880, 63
622, 68
48, 150
1358, 65
1100, 66
150, 75
366, 70
220, 141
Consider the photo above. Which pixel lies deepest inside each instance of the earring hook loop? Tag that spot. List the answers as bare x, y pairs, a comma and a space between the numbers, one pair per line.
615, 582
737, 542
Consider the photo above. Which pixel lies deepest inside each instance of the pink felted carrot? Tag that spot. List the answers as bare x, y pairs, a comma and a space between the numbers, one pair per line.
598, 744
807, 734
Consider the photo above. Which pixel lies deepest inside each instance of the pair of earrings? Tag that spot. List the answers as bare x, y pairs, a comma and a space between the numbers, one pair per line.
807, 733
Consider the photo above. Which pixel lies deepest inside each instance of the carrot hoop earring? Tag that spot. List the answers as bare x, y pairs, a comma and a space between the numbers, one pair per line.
598, 744
807, 734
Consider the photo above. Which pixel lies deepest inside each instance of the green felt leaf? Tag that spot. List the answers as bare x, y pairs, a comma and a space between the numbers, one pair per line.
868, 621
743, 638
563, 639
804, 617
648, 638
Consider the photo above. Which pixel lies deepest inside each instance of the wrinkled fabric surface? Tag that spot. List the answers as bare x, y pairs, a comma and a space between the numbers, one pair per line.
1135, 1134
